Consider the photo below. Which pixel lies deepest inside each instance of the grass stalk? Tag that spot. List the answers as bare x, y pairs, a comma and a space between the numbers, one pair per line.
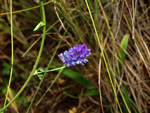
118, 85
28, 9
103, 55
50, 85
43, 76
12, 53
36, 63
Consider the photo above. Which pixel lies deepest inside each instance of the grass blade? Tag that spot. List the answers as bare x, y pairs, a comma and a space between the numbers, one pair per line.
122, 53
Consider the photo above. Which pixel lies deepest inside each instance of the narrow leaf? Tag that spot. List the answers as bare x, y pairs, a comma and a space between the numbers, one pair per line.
91, 93
126, 99
124, 45
38, 26
37, 1
78, 78
42, 69
122, 49
40, 76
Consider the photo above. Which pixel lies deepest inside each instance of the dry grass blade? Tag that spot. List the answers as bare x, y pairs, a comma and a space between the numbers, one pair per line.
13, 105
95, 23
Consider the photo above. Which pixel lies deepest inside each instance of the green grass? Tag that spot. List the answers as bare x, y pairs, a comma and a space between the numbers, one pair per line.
116, 78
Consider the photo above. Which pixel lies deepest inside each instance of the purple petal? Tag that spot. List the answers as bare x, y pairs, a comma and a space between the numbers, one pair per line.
75, 55
61, 56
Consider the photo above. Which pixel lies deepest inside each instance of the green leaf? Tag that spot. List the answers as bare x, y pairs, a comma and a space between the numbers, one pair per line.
124, 45
78, 78
39, 25
133, 106
122, 54
37, 1
36, 72
40, 76
91, 93
42, 69
126, 99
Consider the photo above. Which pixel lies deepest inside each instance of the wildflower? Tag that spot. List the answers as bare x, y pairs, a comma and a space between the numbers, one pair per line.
75, 55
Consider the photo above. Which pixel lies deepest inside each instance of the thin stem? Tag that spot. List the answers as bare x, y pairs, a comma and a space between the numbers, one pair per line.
50, 85
116, 83
44, 76
103, 55
34, 67
118, 86
28, 9
50, 70
12, 51
35, 42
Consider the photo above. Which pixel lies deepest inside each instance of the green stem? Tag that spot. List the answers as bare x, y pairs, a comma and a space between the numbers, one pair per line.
44, 76
103, 55
50, 86
23, 10
12, 56
50, 70
113, 52
36, 63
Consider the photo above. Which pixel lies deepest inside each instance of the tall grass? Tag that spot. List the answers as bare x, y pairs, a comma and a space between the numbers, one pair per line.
116, 78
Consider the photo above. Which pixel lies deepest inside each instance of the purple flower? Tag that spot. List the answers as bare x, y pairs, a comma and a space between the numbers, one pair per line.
75, 55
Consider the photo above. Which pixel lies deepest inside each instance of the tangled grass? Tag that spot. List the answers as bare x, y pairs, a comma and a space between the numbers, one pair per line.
116, 77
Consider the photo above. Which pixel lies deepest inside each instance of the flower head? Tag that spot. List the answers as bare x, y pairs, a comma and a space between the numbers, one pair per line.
75, 55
